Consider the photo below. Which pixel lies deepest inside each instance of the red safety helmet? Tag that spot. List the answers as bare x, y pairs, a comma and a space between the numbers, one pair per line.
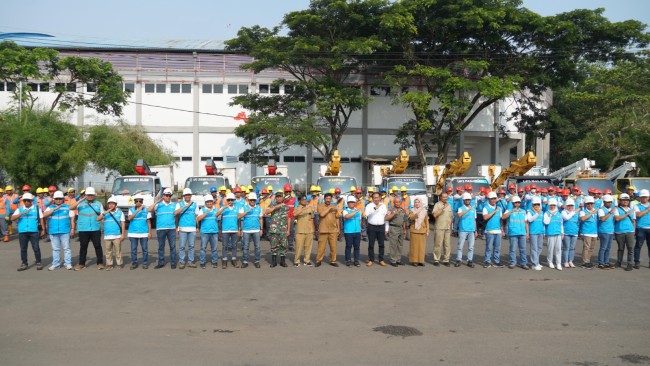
468, 187
358, 190
532, 186
512, 186
264, 191
608, 191
459, 188
566, 192
501, 191
449, 189
598, 191
52, 189
551, 189
527, 188
520, 190
26, 187
544, 190
287, 187
237, 189
337, 190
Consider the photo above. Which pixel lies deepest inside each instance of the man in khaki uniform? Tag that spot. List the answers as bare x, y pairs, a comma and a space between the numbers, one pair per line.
443, 215
304, 216
328, 230
396, 229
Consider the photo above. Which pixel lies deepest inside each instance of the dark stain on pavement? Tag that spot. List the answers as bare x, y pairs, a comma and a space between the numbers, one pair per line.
398, 331
252, 299
541, 279
584, 363
388, 281
565, 324
635, 359
227, 331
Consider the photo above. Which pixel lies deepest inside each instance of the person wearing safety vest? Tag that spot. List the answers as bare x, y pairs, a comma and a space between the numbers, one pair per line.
139, 231
11, 196
624, 228
352, 215
605, 231
492, 213
240, 202
114, 230
206, 217
361, 205
230, 225
641, 209
517, 232
466, 230
536, 230
88, 209
252, 218
589, 230
220, 202
61, 226
185, 211
29, 216
570, 219
554, 231
5, 207
165, 209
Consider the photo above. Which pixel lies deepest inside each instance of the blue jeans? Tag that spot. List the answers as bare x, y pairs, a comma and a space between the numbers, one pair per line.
642, 235
144, 242
492, 245
462, 235
170, 234
536, 247
229, 242
568, 248
187, 239
518, 242
256, 242
352, 241
212, 239
605, 246
61, 241
24, 239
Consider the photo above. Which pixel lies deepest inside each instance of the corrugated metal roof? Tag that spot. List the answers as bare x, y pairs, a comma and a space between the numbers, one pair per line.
67, 42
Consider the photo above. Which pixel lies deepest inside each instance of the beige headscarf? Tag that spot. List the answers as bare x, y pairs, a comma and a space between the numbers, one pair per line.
421, 215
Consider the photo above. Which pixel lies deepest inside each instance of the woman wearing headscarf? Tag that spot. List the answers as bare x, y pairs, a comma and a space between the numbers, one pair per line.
419, 232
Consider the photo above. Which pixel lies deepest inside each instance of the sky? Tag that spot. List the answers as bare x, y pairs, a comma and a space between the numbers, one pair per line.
211, 19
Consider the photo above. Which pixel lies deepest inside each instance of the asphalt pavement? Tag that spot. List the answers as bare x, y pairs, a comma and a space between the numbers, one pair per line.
321, 316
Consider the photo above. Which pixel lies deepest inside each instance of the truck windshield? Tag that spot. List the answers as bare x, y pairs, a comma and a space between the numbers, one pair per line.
476, 183
344, 183
540, 183
277, 182
601, 184
414, 185
201, 185
133, 185
640, 183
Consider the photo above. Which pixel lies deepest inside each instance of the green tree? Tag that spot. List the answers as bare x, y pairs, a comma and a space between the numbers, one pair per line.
326, 47
465, 55
43, 152
605, 117
18, 64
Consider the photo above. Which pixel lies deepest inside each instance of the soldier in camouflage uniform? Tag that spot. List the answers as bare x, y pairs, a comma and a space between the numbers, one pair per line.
279, 229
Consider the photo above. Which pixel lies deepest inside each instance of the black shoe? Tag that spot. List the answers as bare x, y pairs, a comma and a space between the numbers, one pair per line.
173, 266
487, 265
636, 265
498, 265
202, 265
470, 264
317, 264
274, 261
291, 249
524, 267
244, 265
334, 264
283, 263
446, 264
356, 264
421, 264
348, 263
145, 266
458, 263
22, 267
393, 264
215, 265
601, 266
400, 263
309, 264
629, 267
437, 264
134, 266
158, 266
257, 264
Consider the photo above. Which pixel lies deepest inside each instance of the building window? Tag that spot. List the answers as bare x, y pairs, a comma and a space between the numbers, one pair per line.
275, 89
11, 87
319, 160
185, 158
204, 158
130, 87
161, 88
91, 88
381, 91
264, 89
44, 87
217, 88
345, 160
71, 87
288, 89
175, 88
2, 86
149, 88
232, 89
206, 88
355, 160
177, 158
186, 88
33, 87
217, 158
243, 89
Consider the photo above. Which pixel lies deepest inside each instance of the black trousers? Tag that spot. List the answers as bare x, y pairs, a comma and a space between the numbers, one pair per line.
376, 232
24, 239
84, 238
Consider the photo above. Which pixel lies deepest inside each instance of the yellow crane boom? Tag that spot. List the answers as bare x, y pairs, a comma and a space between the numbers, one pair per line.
456, 168
334, 165
518, 167
400, 163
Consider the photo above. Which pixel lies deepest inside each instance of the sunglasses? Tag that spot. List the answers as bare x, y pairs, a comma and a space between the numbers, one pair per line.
138, 200
27, 200
58, 199
230, 199
167, 195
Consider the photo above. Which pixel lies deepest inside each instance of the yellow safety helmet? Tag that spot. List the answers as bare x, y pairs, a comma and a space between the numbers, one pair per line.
223, 188
403, 189
331, 191
313, 188
228, 191
71, 190
318, 188
353, 188
394, 188
371, 189
39, 190
9, 188
2, 190
269, 188
632, 188
250, 187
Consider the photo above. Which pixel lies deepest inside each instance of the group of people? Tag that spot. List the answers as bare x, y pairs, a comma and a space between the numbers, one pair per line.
293, 222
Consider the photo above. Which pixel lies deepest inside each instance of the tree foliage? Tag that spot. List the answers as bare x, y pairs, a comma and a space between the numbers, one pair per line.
325, 48
605, 117
19, 64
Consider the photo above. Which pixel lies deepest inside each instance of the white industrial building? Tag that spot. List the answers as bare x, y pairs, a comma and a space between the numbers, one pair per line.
180, 96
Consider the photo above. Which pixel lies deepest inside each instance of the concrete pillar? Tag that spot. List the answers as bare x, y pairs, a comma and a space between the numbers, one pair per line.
364, 140
309, 165
521, 145
138, 101
543, 150
196, 158
495, 140
460, 145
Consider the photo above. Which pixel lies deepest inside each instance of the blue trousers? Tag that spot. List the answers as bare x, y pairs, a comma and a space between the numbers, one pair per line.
170, 235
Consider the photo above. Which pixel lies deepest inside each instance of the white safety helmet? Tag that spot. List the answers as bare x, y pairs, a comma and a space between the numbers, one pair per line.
466, 196
138, 197
208, 197
608, 198
187, 191
58, 194
516, 199
28, 196
90, 191
112, 199
352, 199
252, 196
492, 195
167, 191
537, 201
552, 202
624, 196
230, 196
589, 199
644, 193
570, 202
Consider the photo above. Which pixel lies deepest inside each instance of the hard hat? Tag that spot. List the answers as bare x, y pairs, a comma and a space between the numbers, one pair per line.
512, 186
337, 190
544, 190
632, 188
318, 188
230, 196
313, 188
331, 191
252, 196
244, 189
589, 199
608, 198
138, 197
566, 192
26, 187
222, 188
598, 191
112, 199
358, 190
382, 189
608, 191
59, 194
9, 188
90, 191
491, 195
527, 188
466, 196
269, 188
213, 189
551, 189
624, 196
459, 188
402, 188
39, 190
552, 202
644, 193
187, 191
2, 190
589, 190
167, 191
237, 189
501, 191
83, 191
264, 191
520, 190
537, 201
52, 188
450, 189
287, 187
569, 202
371, 189
353, 188
393, 188
516, 199
250, 187
532, 186
228, 191
208, 197
71, 189
468, 187
352, 199
28, 196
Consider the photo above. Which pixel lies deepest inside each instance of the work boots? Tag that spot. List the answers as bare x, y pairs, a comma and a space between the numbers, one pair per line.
282, 261
274, 261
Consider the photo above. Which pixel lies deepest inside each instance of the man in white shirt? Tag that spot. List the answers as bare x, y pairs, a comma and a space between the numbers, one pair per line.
376, 213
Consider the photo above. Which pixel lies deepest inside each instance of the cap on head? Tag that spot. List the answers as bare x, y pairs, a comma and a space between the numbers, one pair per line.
222, 189
537, 201
337, 190
26, 187
187, 191
138, 197
394, 189
468, 187
466, 196
71, 189
520, 190
90, 191
111, 199
512, 186
608, 198
58, 194
208, 198
450, 189
230, 196
213, 189
501, 191
287, 187
353, 188
570, 202
589, 199
491, 195
624, 196
9, 188
516, 199
552, 202
371, 189
28, 196
252, 196
167, 191
632, 188
402, 188
264, 191
644, 193
270, 188
279, 194
352, 199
